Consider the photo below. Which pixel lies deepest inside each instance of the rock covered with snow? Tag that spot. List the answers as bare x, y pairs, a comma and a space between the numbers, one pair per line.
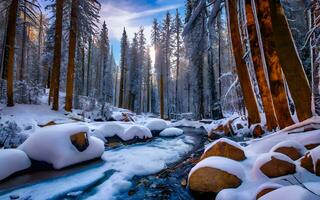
109, 129
273, 165
266, 188
257, 130
53, 145
311, 161
214, 174
136, 131
171, 132
12, 160
290, 148
224, 148
292, 192
156, 125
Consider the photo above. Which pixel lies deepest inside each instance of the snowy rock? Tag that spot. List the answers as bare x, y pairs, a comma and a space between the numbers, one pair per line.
53, 145
311, 161
110, 129
273, 165
293, 192
80, 141
12, 160
266, 188
170, 132
215, 174
257, 131
156, 125
136, 131
224, 148
312, 145
290, 148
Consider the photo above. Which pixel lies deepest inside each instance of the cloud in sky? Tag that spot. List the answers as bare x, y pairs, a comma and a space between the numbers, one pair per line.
117, 17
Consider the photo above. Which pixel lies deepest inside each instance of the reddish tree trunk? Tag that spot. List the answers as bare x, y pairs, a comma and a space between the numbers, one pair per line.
291, 64
259, 69
279, 96
9, 49
242, 71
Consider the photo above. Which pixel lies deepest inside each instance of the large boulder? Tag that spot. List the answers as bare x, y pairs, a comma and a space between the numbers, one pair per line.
273, 165
53, 145
12, 161
214, 174
311, 161
266, 188
290, 148
224, 148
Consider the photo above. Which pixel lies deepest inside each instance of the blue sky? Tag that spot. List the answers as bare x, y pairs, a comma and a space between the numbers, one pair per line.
132, 14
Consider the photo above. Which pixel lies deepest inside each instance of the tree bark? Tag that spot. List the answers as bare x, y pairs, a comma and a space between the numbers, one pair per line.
72, 51
290, 62
161, 97
23, 42
57, 55
259, 69
9, 50
279, 96
244, 79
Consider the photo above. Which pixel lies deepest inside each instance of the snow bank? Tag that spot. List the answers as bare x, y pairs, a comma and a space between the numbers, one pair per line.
170, 132
12, 160
264, 158
156, 125
293, 192
224, 164
230, 142
136, 131
53, 145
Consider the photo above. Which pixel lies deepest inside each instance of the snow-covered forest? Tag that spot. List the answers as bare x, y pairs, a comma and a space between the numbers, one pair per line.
154, 99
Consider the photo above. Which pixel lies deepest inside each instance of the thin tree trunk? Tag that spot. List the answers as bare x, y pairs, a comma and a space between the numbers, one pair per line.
290, 62
55, 84
9, 49
161, 97
259, 69
148, 89
243, 74
89, 65
121, 92
23, 46
279, 96
39, 50
72, 51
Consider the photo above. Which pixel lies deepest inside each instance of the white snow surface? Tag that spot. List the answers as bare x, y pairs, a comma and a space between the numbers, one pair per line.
126, 162
290, 143
110, 129
53, 145
136, 131
156, 124
170, 132
264, 158
293, 192
224, 164
230, 142
12, 160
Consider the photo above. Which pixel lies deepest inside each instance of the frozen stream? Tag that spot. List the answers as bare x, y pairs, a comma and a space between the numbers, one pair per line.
111, 177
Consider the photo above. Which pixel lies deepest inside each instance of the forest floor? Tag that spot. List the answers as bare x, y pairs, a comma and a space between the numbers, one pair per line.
152, 167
